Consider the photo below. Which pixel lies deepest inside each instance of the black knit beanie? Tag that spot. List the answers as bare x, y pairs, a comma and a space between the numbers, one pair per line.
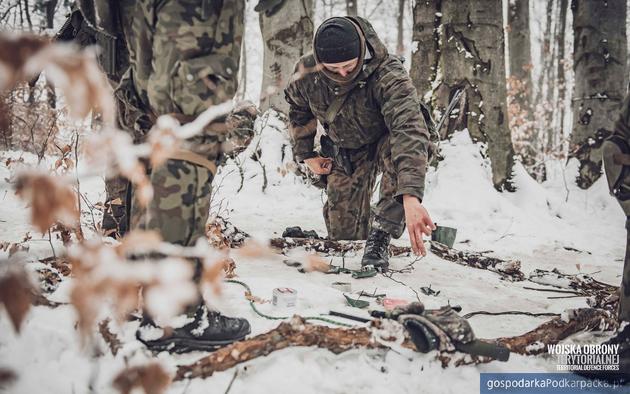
336, 41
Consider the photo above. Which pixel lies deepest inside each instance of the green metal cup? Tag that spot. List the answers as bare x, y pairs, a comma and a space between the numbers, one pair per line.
444, 235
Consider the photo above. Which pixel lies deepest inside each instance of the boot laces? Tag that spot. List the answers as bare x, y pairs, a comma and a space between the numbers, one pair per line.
377, 242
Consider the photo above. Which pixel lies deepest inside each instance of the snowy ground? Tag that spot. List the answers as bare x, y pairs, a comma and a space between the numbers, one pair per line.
534, 225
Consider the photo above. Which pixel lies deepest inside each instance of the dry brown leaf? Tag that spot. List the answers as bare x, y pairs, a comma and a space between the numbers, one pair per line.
213, 273
215, 235
252, 248
7, 377
85, 87
50, 199
163, 144
229, 266
316, 263
16, 294
139, 241
257, 300
15, 51
151, 378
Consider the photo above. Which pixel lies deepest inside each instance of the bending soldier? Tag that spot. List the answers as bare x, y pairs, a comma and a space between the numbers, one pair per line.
370, 112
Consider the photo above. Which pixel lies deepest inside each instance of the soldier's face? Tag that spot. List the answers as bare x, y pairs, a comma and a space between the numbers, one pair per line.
343, 68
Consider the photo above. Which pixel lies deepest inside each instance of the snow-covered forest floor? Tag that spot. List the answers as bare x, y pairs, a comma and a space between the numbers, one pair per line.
546, 226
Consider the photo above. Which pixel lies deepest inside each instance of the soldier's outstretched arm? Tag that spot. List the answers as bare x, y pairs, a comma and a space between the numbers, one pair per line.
302, 123
409, 144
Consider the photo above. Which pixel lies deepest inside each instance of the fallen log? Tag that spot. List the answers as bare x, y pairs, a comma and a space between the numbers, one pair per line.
559, 328
293, 333
338, 340
508, 269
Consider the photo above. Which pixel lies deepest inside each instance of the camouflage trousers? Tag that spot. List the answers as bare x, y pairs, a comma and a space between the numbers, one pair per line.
348, 212
180, 205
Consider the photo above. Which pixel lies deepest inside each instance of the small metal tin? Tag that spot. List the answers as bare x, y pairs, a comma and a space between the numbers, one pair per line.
345, 287
284, 297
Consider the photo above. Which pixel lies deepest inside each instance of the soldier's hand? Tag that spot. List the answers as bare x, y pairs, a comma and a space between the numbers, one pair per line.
319, 165
419, 223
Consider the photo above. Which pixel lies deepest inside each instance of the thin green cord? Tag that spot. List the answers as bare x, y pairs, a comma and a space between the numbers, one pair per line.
259, 313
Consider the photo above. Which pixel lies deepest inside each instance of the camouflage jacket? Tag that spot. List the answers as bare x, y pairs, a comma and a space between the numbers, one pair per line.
381, 100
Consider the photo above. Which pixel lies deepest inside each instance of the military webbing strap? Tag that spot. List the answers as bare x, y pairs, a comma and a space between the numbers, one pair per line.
194, 158
335, 106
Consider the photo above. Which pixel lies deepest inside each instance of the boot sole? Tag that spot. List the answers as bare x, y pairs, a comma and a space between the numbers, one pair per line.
186, 345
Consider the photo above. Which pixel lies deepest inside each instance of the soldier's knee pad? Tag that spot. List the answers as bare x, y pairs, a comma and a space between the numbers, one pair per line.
616, 157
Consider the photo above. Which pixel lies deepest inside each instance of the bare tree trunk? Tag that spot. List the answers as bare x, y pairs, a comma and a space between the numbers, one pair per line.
287, 35
472, 57
545, 82
521, 114
400, 44
351, 7
28, 15
50, 13
424, 58
600, 80
560, 76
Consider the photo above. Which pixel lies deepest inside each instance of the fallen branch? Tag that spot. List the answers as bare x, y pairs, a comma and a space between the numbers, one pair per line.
110, 338
293, 333
555, 330
508, 269
471, 314
601, 295
325, 246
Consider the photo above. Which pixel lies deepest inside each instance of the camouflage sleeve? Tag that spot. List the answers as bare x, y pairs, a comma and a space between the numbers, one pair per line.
302, 123
622, 126
409, 138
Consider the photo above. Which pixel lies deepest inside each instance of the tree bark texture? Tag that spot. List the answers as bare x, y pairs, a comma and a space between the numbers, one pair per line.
555, 141
600, 80
287, 35
519, 82
472, 57
425, 55
555, 330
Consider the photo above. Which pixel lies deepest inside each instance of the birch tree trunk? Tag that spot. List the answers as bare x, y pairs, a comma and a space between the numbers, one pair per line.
472, 57
600, 80
287, 35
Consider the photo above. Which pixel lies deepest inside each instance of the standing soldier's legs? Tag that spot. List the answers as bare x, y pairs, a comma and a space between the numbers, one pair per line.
196, 48
181, 202
347, 210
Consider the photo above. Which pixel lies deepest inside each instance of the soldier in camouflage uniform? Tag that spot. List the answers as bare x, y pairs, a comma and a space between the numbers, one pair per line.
616, 158
183, 58
370, 112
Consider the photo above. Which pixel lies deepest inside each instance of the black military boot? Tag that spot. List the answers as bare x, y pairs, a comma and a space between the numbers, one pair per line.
208, 331
377, 250
622, 376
